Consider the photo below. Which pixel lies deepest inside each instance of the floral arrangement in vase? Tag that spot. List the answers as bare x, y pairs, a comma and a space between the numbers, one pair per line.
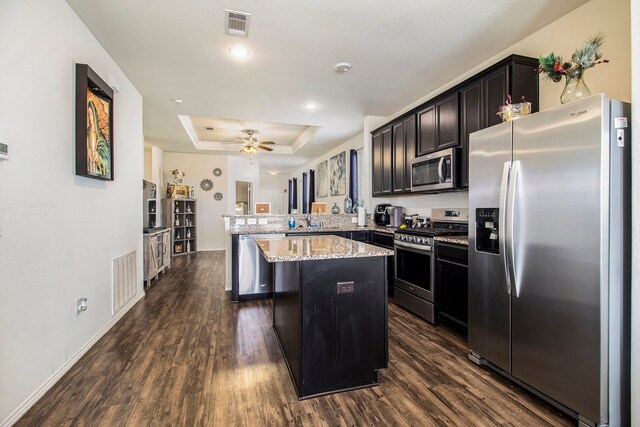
511, 111
554, 68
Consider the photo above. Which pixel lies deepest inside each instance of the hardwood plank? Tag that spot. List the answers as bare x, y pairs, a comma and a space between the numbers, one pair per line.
186, 355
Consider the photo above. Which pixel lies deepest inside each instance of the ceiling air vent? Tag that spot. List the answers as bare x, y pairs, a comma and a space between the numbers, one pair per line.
237, 23
208, 128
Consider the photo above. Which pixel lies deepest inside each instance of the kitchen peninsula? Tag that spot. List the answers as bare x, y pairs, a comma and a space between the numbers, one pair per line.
329, 310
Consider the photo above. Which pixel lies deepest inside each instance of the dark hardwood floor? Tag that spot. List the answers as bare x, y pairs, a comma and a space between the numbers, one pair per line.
187, 356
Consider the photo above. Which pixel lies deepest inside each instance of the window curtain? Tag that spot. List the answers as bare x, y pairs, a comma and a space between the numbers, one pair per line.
312, 188
305, 196
290, 196
294, 194
353, 176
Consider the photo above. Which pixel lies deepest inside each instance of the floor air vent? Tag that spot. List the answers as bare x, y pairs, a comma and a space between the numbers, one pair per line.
124, 280
237, 23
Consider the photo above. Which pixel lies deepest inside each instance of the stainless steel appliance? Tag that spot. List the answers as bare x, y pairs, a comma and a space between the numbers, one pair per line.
395, 216
380, 214
435, 171
254, 272
549, 256
415, 260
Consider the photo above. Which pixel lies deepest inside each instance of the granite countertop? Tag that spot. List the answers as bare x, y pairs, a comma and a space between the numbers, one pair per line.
456, 240
277, 228
303, 248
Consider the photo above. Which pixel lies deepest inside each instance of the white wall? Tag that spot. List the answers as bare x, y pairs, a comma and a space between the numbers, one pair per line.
209, 223
635, 304
271, 183
353, 143
60, 232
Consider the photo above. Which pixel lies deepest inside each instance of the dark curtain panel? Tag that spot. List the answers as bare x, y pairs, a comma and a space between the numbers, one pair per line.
305, 196
290, 196
294, 195
312, 188
353, 176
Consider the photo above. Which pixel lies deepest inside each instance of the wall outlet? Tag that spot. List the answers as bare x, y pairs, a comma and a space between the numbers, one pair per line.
81, 305
251, 221
354, 220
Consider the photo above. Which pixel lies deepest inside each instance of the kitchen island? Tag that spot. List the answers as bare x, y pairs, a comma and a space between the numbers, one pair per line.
329, 311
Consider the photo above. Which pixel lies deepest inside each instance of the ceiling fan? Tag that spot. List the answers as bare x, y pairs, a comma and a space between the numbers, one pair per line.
251, 144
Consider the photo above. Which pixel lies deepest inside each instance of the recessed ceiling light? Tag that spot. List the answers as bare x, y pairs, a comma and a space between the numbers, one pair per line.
177, 101
342, 67
239, 51
310, 106
273, 173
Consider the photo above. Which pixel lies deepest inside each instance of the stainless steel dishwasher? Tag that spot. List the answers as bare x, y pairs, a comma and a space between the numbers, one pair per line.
254, 272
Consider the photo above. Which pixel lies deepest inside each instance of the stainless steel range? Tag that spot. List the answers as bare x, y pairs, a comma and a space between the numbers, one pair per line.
415, 260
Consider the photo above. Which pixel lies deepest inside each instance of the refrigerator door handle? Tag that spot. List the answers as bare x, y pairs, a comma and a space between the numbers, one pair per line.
440, 174
515, 171
502, 220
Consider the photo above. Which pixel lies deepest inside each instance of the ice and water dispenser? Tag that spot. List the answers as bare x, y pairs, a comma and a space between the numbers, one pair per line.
487, 231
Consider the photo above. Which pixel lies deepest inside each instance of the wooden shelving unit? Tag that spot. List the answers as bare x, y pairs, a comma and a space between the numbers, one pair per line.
180, 215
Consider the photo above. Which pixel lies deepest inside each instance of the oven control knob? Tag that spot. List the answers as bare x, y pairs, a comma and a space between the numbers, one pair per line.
409, 239
419, 240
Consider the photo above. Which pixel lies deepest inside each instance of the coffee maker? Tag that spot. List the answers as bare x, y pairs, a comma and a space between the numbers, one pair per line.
395, 216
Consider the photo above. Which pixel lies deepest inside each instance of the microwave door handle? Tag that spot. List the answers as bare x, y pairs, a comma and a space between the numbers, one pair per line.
502, 228
440, 174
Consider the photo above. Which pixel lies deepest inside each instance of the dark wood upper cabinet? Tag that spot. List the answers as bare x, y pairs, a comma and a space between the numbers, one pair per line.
387, 161
494, 95
470, 121
447, 122
399, 151
426, 130
410, 148
376, 164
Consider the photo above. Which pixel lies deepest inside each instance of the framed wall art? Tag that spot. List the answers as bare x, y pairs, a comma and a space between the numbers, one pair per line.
337, 174
322, 180
94, 125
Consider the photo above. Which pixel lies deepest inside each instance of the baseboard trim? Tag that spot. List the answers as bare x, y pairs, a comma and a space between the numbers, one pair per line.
55, 377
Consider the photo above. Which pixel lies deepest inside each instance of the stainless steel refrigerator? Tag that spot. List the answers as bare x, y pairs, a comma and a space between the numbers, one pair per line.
549, 258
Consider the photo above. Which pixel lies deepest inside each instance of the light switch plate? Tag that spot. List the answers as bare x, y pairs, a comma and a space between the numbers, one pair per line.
240, 221
263, 221
251, 221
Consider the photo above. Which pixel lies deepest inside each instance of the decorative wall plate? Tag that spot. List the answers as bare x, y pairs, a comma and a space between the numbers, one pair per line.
206, 184
217, 172
217, 196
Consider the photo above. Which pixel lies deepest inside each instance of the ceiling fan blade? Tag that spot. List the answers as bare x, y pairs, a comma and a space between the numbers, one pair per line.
267, 142
265, 148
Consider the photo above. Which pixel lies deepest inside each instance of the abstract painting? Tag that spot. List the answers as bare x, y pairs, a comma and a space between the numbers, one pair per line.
322, 180
338, 174
94, 125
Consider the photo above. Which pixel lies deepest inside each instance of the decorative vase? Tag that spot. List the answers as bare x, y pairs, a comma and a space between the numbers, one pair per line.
335, 209
574, 88
348, 205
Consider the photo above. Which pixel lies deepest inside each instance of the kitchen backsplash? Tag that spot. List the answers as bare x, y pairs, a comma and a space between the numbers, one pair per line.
327, 220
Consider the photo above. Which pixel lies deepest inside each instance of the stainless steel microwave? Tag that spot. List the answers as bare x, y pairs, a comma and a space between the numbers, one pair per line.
435, 171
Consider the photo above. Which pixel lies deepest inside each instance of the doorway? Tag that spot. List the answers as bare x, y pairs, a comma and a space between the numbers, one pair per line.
243, 198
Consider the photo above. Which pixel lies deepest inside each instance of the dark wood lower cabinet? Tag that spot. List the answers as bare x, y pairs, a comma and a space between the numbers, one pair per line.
330, 319
452, 286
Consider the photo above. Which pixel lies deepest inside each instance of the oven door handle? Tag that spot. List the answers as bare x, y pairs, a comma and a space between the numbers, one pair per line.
421, 248
440, 174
